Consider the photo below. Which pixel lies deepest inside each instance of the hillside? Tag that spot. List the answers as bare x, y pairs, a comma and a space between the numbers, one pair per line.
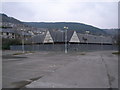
7, 19
111, 32
79, 27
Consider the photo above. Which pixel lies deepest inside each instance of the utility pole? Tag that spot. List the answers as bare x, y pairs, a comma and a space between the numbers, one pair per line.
66, 50
23, 48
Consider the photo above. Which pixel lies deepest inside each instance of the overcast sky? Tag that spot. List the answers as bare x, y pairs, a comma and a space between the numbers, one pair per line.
99, 14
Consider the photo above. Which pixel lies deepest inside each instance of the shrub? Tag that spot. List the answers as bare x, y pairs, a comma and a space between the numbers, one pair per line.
7, 42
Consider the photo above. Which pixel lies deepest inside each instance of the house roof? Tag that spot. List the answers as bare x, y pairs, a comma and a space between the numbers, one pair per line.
59, 35
94, 39
7, 30
56, 35
14, 31
37, 38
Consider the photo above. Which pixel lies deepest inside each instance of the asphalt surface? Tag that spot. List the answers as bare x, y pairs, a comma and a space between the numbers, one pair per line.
59, 70
18, 70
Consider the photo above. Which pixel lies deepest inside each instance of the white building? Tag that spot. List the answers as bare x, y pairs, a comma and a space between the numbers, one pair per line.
48, 38
74, 38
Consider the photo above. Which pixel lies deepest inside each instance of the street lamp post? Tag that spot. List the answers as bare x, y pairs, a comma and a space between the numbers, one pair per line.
101, 42
87, 32
32, 39
66, 50
62, 32
23, 48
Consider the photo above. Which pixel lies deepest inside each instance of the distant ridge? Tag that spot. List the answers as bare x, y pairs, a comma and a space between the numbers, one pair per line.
78, 27
7, 19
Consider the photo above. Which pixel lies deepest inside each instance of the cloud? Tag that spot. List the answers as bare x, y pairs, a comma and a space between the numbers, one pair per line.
99, 14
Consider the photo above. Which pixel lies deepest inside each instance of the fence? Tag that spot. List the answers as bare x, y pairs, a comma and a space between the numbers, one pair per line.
61, 47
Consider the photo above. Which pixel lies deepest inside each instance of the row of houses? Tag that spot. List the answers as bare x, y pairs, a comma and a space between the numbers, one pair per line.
13, 31
60, 36
54, 36
13, 34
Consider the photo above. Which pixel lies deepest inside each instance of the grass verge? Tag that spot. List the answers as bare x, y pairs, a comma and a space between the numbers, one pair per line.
23, 53
116, 53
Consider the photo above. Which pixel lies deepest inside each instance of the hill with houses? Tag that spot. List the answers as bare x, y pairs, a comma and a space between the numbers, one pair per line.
79, 27
42, 32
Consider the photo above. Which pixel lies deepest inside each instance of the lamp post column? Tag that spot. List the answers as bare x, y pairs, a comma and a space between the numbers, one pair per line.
101, 42
23, 48
66, 50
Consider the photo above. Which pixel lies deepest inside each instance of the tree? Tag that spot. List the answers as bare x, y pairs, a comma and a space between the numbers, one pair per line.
6, 42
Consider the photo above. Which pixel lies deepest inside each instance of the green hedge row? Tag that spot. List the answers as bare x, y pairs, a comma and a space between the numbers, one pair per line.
7, 42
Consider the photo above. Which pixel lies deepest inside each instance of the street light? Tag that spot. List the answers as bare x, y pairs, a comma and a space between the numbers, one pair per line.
62, 39
87, 32
66, 39
62, 36
32, 38
101, 42
23, 48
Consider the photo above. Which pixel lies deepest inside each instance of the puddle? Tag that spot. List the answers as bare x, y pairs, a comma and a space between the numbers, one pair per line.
11, 57
9, 60
36, 78
22, 84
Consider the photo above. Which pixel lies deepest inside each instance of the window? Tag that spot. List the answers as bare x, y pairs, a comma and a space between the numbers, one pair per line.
7, 33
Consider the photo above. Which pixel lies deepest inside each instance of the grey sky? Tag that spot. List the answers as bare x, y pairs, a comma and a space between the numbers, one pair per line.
99, 14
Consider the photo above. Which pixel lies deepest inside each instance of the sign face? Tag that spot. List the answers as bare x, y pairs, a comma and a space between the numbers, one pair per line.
48, 38
74, 38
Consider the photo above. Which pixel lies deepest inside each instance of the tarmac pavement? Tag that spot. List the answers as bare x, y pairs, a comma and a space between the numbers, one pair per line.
58, 70
93, 70
19, 70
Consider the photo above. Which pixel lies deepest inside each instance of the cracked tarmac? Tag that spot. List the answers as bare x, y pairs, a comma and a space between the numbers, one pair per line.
58, 70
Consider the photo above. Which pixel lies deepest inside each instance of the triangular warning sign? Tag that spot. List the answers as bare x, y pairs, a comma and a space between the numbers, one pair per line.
48, 38
74, 38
